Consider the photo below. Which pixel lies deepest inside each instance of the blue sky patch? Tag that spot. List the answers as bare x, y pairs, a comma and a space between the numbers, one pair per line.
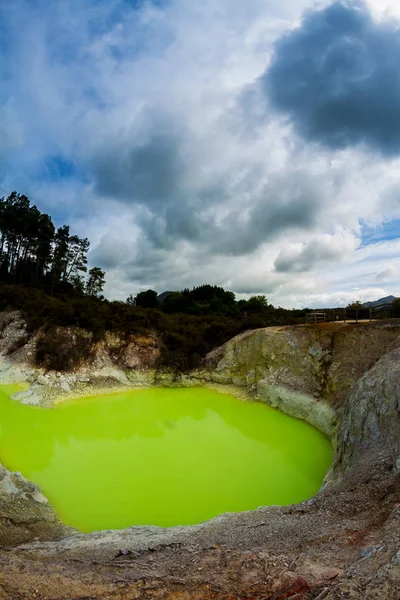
386, 231
56, 167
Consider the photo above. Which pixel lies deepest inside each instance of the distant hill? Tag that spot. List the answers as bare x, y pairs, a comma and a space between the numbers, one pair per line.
161, 297
380, 302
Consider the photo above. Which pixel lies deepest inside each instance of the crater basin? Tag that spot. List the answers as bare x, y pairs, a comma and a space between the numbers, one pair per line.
160, 456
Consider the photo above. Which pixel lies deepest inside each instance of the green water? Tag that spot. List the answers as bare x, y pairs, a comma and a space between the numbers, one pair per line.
160, 456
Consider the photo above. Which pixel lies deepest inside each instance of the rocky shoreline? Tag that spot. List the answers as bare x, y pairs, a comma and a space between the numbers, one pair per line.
343, 543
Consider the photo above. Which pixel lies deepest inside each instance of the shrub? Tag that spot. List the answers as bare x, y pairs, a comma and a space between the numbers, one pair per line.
62, 350
210, 317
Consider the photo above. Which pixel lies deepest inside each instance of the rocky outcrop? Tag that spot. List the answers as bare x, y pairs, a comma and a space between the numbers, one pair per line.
318, 413
116, 351
371, 419
132, 352
322, 361
275, 355
305, 371
25, 513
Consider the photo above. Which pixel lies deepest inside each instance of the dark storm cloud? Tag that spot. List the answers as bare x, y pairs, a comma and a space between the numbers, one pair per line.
164, 181
272, 212
292, 264
257, 287
283, 206
147, 173
323, 248
109, 253
337, 77
174, 223
151, 170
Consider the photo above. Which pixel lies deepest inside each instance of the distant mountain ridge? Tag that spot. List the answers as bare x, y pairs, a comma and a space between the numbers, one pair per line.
161, 297
380, 302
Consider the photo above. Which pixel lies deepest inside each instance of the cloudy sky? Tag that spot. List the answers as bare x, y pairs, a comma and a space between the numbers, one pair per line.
253, 145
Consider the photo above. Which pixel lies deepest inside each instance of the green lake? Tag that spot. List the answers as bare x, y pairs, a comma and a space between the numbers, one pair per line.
160, 456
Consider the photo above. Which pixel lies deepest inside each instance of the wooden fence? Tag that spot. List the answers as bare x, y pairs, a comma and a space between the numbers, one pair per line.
353, 315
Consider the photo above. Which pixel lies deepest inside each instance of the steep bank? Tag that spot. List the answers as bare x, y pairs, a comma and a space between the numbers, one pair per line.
306, 371
323, 361
341, 544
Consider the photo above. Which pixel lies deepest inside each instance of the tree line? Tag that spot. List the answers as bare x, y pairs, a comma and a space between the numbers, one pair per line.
201, 300
34, 253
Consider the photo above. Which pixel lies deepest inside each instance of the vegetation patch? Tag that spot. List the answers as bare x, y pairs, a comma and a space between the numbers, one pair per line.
61, 349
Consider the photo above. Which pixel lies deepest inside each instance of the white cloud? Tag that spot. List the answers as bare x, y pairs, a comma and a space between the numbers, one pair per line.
386, 274
383, 9
322, 248
184, 174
